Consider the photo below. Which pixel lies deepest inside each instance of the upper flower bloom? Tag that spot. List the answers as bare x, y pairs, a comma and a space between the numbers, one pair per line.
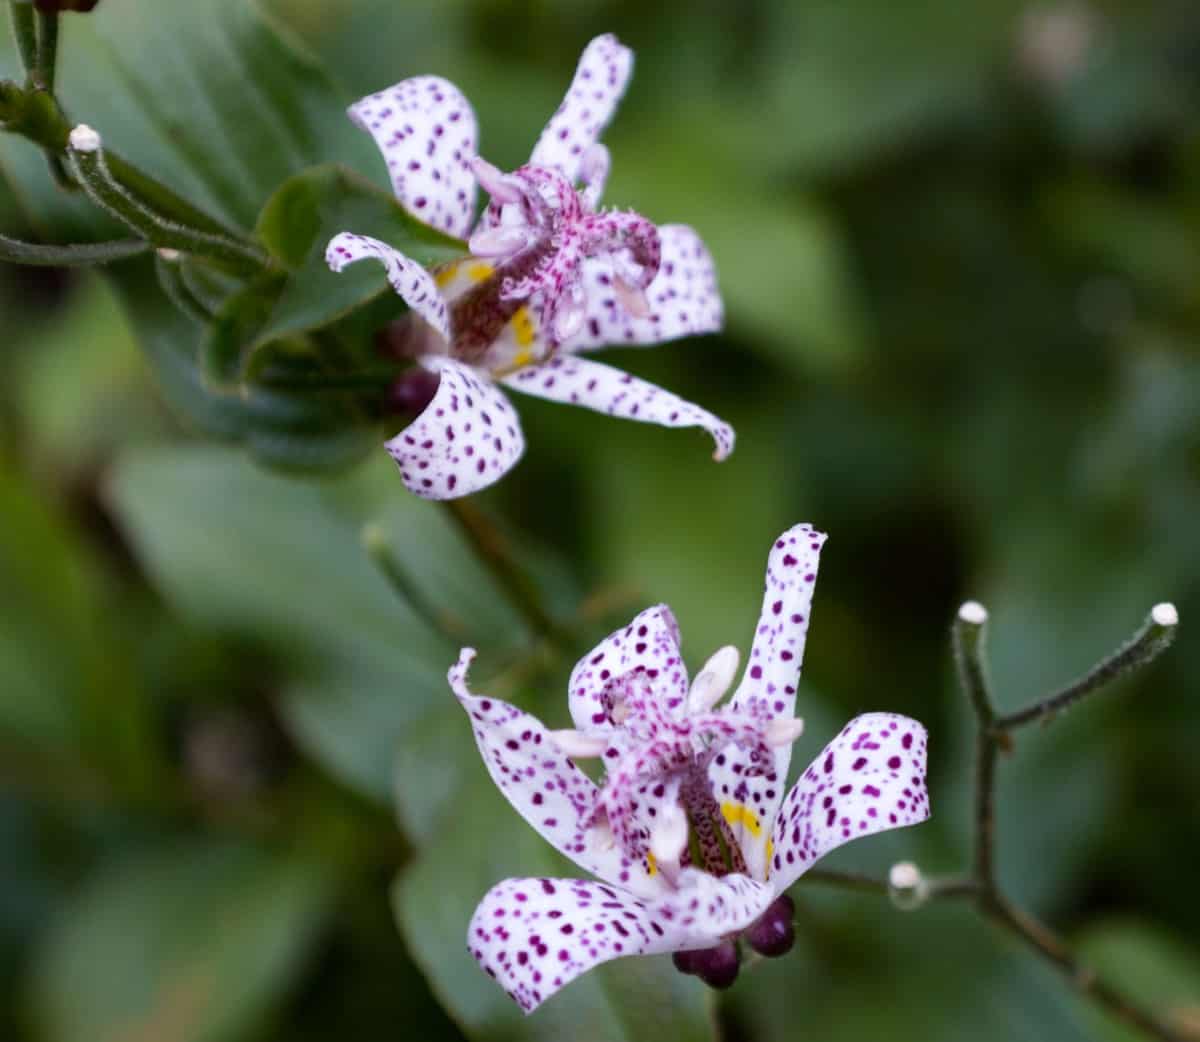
684, 782
550, 275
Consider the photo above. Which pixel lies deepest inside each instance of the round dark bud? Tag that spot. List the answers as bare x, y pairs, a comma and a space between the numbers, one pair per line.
413, 391
685, 962
54, 6
717, 967
772, 934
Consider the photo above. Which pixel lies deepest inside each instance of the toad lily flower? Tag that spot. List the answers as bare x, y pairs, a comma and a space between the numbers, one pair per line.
550, 276
690, 836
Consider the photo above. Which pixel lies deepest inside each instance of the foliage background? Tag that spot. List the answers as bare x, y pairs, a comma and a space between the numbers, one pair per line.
959, 252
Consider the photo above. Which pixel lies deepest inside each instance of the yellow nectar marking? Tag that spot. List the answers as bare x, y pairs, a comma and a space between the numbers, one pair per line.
739, 813
770, 854
523, 328
651, 864
479, 272
446, 275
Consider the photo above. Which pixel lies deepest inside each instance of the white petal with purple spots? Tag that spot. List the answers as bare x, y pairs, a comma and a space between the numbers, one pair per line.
600, 79
649, 646
408, 278
467, 437
545, 787
427, 133
869, 779
578, 381
683, 298
536, 935
768, 689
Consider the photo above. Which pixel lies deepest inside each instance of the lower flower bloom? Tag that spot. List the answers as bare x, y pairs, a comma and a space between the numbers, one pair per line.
690, 836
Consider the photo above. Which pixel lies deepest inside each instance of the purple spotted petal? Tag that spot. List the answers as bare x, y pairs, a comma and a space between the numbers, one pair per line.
427, 133
648, 646
870, 778
545, 787
408, 278
536, 935
768, 689
467, 437
683, 298
578, 381
591, 100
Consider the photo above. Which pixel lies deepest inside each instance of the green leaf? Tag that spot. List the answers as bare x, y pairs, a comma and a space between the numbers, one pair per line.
196, 942
227, 110
1154, 967
283, 561
310, 209
291, 429
622, 1001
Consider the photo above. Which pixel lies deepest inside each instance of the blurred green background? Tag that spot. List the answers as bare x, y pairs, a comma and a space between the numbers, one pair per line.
960, 253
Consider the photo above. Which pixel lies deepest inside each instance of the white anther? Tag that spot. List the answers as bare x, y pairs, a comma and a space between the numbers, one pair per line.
783, 730
84, 139
501, 241
713, 680
620, 711
668, 840
602, 838
570, 316
578, 745
1165, 614
493, 181
170, 256
974, 613
631, 298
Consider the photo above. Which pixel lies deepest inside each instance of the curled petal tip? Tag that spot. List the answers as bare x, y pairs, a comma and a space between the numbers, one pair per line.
1165, 614
578, 745
973, 613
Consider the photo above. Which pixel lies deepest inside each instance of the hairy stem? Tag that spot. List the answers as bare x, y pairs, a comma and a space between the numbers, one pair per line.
47, 49
1150, 641
24, 29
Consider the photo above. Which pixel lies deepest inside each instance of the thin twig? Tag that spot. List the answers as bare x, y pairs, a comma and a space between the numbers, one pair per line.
47, 49
969, 637
25, 33
493, 550
1150, 641
1085, 980
992, 736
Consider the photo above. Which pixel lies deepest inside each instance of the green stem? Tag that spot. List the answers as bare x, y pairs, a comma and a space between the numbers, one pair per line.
73, 256
88, 163
170, 278
24, 28
47, 50
1150, 641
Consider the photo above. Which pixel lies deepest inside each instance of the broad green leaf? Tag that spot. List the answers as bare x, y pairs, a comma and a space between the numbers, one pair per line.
310, 209
1156, 969
194, 943
481, 840
227, 108
296, 429
239, 549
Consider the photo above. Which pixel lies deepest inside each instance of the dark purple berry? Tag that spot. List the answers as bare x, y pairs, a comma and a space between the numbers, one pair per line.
772, 933
413, 391
717, 967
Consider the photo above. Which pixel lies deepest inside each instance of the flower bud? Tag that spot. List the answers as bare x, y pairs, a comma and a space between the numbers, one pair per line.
772, 934
717, 967
413, 391
907, 887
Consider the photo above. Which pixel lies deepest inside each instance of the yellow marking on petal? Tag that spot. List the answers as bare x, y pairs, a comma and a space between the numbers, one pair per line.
523, 328
444, 276
651, 864
770, 854
739, 813
479, 271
